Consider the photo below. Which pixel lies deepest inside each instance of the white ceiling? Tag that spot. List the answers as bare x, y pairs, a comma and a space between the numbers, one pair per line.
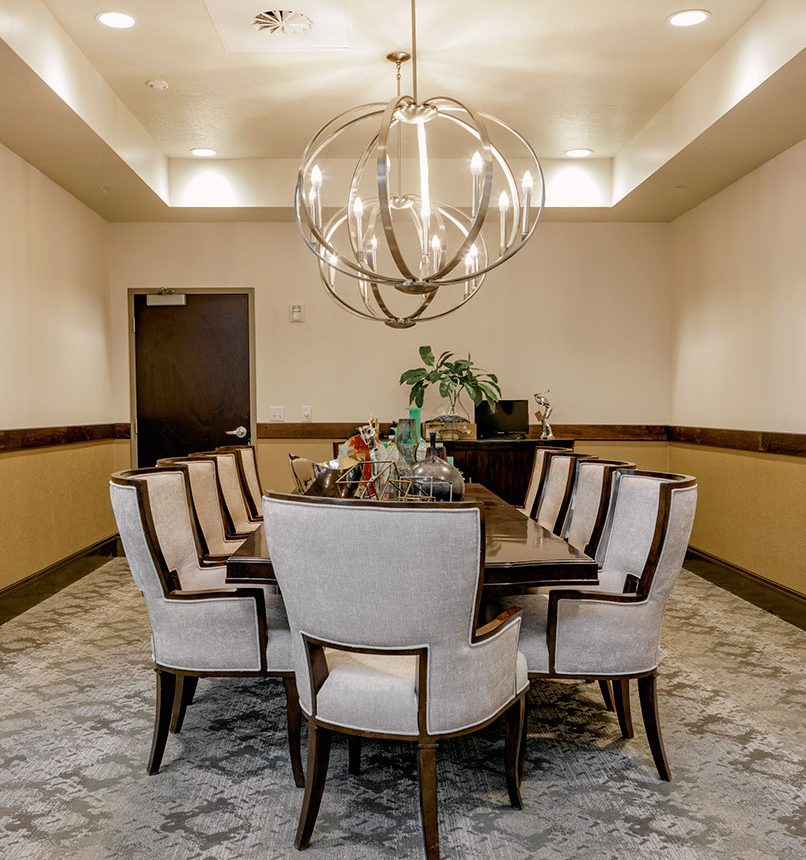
566, 73
673, 115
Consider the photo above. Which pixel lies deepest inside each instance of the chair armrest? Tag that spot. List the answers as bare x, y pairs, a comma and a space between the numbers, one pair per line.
213, 560
498, 623
557, 595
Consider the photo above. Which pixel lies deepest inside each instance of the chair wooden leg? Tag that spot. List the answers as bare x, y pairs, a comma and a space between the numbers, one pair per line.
354, 747
183, 696
524, 738
427, 762
604, 686
513, 744
294, 721
621, 699
319, 740
648, 693
166, 688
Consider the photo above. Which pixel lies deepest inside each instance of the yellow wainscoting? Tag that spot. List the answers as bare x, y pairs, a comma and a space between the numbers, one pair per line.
751, 509
53, 502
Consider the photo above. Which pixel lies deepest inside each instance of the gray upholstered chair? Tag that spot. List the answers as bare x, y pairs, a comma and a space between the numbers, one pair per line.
537, 478
250, 477
200, 627
208, 505
556, 493
383, 602
614, 635
233, 491
594, 494
302, 471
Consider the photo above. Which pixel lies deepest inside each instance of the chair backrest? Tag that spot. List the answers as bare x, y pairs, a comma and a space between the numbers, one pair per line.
208, 502
247, 462
232, 489
302, 471
169, 510
594, 491
557, 489
382, 575
537, 478
651, 522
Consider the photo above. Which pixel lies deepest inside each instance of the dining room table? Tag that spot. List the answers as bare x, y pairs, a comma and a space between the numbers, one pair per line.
519, 553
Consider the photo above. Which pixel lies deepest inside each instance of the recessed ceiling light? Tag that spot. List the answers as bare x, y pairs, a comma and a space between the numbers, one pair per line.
157, 84
116, 20
579, 153
689, 17
202, 152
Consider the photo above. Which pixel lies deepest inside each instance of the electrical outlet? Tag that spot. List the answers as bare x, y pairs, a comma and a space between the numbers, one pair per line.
277, 413
307, 413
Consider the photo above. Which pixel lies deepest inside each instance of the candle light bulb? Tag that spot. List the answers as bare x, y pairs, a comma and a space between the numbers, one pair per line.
358, 207
503, 201
527, 183
332, 259
435, 243
316, 177
473, 252
373, 242
476, 164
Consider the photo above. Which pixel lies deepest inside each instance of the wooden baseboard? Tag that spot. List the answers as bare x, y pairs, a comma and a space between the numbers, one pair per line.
20, 596
786, 603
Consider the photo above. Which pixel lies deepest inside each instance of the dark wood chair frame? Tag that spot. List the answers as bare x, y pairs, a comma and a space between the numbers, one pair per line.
636, 590
253, 506
320, 732
176, 689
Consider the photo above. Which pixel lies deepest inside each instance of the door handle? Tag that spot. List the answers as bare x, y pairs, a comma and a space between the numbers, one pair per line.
240, 432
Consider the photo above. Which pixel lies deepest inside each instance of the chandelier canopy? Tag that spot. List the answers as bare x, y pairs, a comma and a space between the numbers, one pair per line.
439, 196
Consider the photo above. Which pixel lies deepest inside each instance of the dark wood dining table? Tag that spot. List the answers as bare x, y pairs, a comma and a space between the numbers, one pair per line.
519, 553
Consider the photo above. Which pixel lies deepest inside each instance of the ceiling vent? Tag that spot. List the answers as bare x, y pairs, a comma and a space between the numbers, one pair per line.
281, 22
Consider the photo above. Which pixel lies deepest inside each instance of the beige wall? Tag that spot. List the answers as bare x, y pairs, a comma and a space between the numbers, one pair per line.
545, 320
738, 277
54, 357
738, 281
54, 370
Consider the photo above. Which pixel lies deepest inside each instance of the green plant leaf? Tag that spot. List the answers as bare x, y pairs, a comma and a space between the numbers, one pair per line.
475, 394
409, 377
427, 355
444, 357
420, 397
493, 378
445, 389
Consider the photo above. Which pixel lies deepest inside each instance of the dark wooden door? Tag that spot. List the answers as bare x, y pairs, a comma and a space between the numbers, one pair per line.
192, 374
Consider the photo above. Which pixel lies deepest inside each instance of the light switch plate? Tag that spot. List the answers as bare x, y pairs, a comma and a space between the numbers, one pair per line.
296, 313
307, 413
277, 413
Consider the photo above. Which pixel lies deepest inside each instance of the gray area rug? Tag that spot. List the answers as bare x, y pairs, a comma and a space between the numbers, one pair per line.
76, 708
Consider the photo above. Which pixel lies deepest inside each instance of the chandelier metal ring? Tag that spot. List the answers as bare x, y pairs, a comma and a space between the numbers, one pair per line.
425, 238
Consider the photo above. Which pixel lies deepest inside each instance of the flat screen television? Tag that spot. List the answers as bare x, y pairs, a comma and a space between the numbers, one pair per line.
510, 418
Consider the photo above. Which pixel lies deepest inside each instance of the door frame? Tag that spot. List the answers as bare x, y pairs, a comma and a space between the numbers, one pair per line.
249, 292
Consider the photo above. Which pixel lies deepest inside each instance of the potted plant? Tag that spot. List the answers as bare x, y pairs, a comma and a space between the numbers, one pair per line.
454, 378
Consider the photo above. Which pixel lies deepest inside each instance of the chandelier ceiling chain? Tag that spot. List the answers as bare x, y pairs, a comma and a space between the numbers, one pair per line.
404, 237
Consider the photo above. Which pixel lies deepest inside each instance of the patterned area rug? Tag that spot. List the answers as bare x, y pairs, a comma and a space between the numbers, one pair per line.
76, 706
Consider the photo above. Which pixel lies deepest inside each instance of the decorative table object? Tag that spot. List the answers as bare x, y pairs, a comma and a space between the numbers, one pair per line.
437, 477
544, 410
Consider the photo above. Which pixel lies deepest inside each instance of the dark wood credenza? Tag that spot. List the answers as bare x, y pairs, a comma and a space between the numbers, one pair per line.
502, 465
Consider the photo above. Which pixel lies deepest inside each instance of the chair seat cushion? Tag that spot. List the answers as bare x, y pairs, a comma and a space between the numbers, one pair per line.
278, 648
533, 643
370, 692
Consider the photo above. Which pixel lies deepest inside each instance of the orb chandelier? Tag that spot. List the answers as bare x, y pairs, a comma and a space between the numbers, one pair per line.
439, 196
